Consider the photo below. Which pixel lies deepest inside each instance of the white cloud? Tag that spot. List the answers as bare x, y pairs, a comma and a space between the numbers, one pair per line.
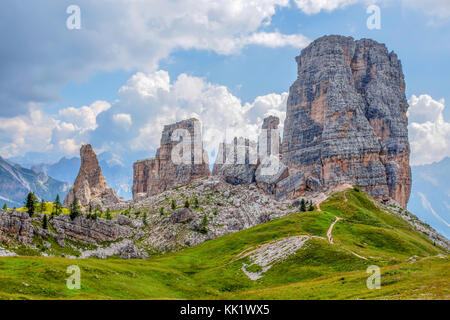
84, 118
38, 132
147, 85
25, 133
271, 40
315, 6
123, 119
429, 133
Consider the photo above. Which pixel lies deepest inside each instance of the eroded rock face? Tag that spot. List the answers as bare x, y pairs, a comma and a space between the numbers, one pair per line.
17, 225
153, 176
237, 161
346, 120
86, 230
244, 162
90, 186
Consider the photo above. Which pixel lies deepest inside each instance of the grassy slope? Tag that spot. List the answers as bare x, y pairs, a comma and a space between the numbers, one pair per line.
317, 271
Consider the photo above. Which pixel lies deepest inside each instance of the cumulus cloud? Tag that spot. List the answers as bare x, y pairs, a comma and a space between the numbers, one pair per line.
429, 133
223, 115
40, 132
84, 118
21, 134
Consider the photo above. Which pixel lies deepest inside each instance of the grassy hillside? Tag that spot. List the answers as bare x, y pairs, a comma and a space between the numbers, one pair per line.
364, 236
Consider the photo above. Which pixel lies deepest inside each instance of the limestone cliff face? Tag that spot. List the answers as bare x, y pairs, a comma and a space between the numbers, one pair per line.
90, 186
346, 120
152, 176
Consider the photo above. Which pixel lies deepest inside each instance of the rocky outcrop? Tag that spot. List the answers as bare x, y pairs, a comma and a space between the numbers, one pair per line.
223, 208
237, 161
178, 161
90, 186
86, 230
244, 162
271, 170
346, 120
17, 225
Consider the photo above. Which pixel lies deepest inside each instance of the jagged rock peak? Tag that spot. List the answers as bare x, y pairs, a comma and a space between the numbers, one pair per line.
155, 175
346, 119
90, 186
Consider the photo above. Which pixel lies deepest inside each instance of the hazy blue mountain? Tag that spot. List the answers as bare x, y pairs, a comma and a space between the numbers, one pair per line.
430, 195
16, 182
64, 170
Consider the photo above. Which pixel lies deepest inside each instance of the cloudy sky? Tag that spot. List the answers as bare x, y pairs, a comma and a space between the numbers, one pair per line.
136, 65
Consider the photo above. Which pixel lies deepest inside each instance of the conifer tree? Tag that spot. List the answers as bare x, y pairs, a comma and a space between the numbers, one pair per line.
30, 203
303, 205
75, 210
45, 222
57, 208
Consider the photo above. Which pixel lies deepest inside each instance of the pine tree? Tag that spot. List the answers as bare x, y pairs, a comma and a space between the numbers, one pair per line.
74, 209
311, 206
30, 203
5, 207
173, 204
45, 222
186, 204
303, 205
58, 207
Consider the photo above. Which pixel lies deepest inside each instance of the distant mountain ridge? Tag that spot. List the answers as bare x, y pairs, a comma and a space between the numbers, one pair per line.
63, 170
16, 182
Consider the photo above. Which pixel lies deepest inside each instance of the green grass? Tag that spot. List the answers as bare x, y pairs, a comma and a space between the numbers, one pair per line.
209, 271
48, 209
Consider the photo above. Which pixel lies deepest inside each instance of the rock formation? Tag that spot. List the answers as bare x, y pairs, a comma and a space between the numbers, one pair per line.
244, 162
346, 120
90, 187
152, 176
236, 161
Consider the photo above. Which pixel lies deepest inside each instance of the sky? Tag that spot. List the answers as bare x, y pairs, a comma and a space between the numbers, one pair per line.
133, 66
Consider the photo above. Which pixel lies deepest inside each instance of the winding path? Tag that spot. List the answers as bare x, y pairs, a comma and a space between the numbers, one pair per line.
330, 230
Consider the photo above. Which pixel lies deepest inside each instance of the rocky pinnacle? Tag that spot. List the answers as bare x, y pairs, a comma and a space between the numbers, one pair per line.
90, 186
346, 119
